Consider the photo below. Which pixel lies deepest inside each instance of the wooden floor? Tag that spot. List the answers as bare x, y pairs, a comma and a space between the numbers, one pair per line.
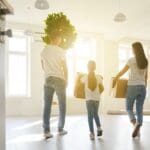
26, 134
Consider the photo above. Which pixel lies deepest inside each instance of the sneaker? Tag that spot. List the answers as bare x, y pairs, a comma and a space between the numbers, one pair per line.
134, 123
62, 132
99, 132
92, 136
47, 135
136, 130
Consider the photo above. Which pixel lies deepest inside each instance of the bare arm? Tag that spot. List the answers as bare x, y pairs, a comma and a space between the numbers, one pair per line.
42, 64
146, 77
122, 72
101, 88
65, 70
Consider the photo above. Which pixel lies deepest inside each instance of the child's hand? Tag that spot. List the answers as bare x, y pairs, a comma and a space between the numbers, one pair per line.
101, 88
114, 82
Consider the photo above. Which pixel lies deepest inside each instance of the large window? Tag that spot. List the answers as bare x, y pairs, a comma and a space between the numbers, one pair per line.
18, 65
78, 57
125, 53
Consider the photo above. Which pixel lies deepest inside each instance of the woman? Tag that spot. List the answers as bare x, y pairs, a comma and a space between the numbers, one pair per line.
136, 92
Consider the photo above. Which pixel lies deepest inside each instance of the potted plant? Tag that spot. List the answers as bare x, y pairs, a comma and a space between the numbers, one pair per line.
58, 22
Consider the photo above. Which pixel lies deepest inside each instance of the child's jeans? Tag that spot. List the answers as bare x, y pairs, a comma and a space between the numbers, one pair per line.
135, 93
92, 109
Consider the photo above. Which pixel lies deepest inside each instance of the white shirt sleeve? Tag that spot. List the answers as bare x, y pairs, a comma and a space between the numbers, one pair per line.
63, 55
129, 63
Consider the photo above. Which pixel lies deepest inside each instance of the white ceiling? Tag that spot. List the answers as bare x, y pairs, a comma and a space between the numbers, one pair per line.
91, 15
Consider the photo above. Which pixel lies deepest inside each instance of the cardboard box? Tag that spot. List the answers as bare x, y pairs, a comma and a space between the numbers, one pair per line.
79, 90
120, 89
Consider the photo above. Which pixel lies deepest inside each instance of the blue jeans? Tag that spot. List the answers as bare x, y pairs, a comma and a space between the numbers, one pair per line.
92, 109
136, 94
53, 84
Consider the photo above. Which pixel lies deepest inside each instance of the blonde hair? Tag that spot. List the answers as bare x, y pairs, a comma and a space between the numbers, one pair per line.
92, 80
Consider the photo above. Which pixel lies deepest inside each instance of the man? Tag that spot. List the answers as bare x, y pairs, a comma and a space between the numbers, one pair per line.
56, 75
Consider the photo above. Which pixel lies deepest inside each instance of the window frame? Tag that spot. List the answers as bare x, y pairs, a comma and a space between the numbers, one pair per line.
128, 55
28, 66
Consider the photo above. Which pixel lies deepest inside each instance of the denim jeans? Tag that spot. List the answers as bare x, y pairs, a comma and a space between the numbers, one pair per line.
136, 94
53, 84
92, 109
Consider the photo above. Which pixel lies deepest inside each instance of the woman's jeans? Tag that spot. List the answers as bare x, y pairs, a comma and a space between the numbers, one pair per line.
53, 84
92, 109
136, 94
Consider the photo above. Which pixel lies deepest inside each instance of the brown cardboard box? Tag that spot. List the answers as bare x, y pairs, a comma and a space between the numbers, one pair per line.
79, 91
120, 89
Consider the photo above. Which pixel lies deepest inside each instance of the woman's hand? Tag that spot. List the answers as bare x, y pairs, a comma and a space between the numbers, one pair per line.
122, 72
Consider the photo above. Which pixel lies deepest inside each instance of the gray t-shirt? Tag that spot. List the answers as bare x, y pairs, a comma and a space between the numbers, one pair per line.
136, 75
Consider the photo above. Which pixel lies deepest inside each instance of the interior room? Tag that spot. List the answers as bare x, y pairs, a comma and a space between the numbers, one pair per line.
105, 31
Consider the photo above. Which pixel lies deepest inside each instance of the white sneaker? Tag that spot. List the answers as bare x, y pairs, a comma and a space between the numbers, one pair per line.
48, 135
92, 136
62, 132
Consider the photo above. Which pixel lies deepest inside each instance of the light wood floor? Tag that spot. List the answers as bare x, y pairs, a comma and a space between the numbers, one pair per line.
26, 134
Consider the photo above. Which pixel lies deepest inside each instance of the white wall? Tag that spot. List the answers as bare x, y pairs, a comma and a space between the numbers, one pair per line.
2, 96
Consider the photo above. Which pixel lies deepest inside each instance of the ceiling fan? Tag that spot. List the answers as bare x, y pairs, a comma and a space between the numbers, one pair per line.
41, 4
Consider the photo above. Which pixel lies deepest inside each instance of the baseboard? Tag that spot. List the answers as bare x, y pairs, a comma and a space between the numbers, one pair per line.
123, 112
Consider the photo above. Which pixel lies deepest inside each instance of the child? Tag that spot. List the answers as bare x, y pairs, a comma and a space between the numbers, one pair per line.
93, 89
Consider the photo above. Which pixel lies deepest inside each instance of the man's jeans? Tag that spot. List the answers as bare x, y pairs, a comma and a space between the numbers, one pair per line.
53, 84
92, 109
136, 93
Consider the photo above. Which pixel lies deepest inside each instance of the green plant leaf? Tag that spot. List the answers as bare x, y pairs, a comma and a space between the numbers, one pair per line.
58, 22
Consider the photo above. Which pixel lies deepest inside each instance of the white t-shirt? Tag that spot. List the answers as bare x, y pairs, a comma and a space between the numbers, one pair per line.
136, 75
91, 95
52, 57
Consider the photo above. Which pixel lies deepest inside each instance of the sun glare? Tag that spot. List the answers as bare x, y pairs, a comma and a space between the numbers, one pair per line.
78, 57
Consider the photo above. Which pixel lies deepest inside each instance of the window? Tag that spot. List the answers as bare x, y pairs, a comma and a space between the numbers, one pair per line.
18, 65
124, 54
78, 57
